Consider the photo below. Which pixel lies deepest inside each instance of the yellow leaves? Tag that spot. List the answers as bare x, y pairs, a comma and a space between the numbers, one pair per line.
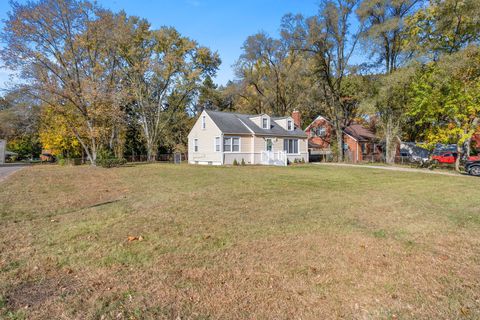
55, 133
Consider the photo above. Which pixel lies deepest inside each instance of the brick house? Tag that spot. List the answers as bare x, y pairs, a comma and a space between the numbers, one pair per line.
360, 144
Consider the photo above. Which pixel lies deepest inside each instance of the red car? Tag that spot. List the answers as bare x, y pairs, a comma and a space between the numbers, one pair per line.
444, 157
449, 157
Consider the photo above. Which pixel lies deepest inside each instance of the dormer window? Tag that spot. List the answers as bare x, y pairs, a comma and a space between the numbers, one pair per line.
265, 123
289, 125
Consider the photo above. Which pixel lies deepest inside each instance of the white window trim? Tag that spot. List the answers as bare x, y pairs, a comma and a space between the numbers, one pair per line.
231, 144
292, 126
195, 144
266, 143
298, 146
220, 140
204, 122
268, 123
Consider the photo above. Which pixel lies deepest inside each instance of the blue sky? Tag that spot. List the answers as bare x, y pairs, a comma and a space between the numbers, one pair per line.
220, 25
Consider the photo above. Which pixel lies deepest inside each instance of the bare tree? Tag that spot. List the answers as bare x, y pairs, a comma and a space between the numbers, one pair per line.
384, 38
164, 72
330, 44
62, 49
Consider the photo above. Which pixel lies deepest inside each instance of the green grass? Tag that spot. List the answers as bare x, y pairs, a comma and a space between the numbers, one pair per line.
238, 242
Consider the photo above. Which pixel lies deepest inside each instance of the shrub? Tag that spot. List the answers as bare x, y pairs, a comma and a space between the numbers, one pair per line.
235, 162
61, 160
111, 162
243, 162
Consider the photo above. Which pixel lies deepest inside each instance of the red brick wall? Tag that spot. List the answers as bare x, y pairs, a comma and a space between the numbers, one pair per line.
297, 119
354, 148
323, 142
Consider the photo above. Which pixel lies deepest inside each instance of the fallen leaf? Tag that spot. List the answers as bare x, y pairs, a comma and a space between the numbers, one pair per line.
465, 311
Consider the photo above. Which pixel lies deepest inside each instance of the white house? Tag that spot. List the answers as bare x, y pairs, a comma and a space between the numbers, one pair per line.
3, 148
222, 137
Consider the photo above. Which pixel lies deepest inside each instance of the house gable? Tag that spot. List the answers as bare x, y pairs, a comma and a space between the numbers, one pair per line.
319, 133
284, 122
210, 125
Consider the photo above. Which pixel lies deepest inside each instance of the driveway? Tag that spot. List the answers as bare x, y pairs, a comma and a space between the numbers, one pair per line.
7, 170
392, 168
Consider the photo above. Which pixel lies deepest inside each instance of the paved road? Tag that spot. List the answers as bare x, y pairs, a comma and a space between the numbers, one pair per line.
393, 168
5, 171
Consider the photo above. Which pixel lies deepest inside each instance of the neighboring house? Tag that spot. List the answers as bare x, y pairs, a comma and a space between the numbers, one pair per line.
3, 149
222, 137
359, 143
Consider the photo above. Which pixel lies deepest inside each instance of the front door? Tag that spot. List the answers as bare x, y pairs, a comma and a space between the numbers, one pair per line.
268, 145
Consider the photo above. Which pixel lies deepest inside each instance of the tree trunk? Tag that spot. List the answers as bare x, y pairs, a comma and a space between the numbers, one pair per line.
390, 149
459, 156
339, 137
151, 151
468, 148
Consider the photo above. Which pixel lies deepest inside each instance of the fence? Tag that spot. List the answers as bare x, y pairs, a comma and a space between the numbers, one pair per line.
163, 157
365, 158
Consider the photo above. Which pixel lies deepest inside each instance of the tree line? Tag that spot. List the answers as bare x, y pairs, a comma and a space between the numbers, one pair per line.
102, 77
409, 69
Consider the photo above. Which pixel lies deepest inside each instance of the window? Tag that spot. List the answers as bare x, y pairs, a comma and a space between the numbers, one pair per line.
290, 145
265, 123
289, 125
195, 145
321, 132
235, 144
231, 144
227, 144
217, 144
204, 122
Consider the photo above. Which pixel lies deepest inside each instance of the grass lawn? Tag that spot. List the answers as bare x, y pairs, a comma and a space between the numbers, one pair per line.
303, 242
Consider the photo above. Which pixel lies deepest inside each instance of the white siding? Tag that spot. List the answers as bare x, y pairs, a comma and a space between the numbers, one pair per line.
283, 122
278, 146
251, 147
245, 152
206, 153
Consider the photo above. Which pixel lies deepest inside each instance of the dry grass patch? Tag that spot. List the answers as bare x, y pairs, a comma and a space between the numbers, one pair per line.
302, 242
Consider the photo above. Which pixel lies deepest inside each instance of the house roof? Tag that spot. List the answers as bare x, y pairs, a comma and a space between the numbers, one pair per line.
359, 132
237, 123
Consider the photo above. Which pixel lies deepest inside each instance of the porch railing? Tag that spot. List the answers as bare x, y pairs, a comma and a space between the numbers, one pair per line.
277, 158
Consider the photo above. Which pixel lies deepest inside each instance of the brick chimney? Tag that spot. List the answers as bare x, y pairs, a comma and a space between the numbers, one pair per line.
297, 118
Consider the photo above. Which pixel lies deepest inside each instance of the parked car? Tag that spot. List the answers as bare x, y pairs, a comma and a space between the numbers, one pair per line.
444, 157
473, 167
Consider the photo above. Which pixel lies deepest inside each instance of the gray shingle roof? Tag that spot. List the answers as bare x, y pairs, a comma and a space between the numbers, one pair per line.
237, 123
